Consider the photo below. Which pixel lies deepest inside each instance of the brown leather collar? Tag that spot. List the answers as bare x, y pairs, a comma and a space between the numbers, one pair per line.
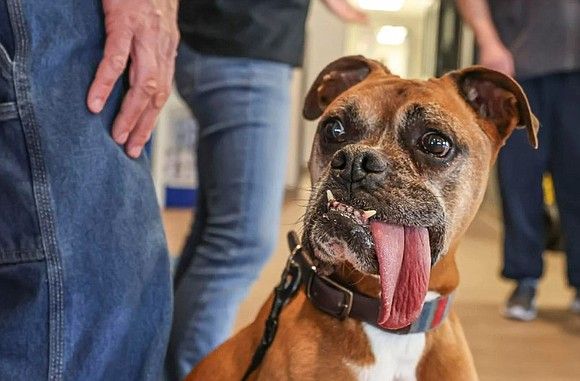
339, 301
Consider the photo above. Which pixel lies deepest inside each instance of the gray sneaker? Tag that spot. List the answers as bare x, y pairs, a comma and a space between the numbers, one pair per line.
575, 307
521, 305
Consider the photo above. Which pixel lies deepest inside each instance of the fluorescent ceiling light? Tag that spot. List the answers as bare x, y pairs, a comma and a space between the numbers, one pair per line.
381, 5
392, 35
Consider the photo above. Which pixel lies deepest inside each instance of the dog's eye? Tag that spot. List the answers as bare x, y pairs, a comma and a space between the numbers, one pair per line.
334, 131
435, 144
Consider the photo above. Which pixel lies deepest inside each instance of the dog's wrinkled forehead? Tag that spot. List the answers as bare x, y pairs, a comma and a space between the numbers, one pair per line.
380, 108
372, 102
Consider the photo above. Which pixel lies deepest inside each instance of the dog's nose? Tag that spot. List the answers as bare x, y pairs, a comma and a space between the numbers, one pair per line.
355, 164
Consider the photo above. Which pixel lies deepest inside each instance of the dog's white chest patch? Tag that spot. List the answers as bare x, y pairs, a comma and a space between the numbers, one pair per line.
396, 356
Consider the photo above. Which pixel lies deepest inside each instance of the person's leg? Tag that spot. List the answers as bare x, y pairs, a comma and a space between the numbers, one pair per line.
24, 282
564, 90
242, 107
85, 259
520, 172
194, 237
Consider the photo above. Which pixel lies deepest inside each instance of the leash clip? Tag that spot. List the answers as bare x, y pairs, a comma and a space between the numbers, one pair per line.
289, 282
292, 274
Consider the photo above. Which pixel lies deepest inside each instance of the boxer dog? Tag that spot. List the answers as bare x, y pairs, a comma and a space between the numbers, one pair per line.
399, 169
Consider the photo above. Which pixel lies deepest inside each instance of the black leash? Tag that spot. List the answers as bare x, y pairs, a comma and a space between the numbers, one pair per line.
286, 290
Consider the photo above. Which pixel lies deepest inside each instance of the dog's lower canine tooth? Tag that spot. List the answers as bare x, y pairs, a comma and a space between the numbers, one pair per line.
329, 195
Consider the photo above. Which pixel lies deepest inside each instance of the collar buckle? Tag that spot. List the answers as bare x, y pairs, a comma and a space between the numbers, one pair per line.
344, 307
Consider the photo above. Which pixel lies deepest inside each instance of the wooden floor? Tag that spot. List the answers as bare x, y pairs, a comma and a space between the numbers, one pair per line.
547, 349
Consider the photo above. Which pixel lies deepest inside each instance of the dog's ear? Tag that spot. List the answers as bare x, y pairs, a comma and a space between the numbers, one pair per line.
498, 99
336, 78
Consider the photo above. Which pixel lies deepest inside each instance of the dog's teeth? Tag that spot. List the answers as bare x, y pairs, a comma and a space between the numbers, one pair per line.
329, 196
369, 213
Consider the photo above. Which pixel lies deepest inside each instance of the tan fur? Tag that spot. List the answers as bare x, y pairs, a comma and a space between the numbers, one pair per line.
298, 353
447, 356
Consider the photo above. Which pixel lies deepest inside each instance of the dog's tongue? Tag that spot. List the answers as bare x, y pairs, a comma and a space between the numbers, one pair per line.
404, 265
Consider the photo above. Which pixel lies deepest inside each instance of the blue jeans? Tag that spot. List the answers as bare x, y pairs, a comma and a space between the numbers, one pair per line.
242, 108
555, 100
85, 287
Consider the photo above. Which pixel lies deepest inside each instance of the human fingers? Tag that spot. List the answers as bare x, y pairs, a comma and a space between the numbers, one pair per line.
111, 67
148, 34
139, 136
497, 58
144, 83
165, 50
346, 12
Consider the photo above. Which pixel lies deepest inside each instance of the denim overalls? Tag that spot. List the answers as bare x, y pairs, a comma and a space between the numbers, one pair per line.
84, 275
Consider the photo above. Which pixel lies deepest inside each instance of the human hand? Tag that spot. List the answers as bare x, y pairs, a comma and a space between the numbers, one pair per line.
496, 56
346, 12
146, 31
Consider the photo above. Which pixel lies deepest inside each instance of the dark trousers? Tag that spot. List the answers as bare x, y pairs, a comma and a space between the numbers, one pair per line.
555, 100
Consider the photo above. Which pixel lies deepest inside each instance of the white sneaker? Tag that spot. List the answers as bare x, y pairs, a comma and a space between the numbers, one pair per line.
521, 304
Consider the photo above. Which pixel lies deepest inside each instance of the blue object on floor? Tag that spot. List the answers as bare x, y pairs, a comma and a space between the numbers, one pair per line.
180, 197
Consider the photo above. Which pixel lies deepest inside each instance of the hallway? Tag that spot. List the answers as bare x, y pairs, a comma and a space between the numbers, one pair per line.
547, 349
